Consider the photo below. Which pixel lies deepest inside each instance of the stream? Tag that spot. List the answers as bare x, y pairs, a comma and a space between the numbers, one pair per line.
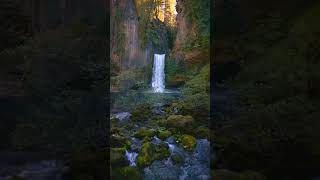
196, 164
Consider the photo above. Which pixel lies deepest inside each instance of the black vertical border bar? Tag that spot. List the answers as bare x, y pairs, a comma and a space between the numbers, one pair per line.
108, 85
212, 30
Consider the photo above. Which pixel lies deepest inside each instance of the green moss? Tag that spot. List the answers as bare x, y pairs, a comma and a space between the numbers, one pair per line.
188, 142
179, 121
146, 155
164, 134
150, 152
202, 132
144, 132
162, 152
177, 159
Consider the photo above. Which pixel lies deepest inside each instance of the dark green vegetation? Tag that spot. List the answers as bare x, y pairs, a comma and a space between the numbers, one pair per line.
273, 126
60, 106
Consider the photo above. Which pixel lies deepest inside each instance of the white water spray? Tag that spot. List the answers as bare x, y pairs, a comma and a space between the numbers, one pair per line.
131, 157
158, 73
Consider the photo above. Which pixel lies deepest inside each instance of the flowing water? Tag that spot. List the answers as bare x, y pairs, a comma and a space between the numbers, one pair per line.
158, 75
131, 156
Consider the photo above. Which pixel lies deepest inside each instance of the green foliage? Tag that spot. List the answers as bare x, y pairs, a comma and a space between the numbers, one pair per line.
131, 79
171, 68
196, 94
147, 12
198, 13
275, 104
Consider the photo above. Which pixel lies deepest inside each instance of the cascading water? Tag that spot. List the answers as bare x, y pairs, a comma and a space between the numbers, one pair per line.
158, 73
131, 156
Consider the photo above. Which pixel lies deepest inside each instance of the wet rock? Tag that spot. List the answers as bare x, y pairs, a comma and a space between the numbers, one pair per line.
158, 109
123, 116
177, 159
179, 121
202, 151
164, 134
171, 140
160, 170
196, 170
136, 144
156, 140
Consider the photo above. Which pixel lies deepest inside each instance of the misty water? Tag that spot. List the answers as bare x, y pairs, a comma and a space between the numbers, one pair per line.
158, 75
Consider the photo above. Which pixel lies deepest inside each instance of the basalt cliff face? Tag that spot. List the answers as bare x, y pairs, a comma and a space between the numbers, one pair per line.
126, 49
187, 29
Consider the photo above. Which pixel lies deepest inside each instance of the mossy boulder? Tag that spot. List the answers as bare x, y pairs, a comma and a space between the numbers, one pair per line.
150, 152
179, 121
203, 132
188, 142
164, 134
118, 158
144, 132
162, 151
177, 159
126, 173
141, 113
146, 155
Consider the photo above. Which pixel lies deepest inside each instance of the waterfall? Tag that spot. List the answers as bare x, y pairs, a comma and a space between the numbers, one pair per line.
158, 73
131, 157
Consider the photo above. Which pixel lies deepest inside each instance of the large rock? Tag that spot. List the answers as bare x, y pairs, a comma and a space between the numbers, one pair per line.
179, 121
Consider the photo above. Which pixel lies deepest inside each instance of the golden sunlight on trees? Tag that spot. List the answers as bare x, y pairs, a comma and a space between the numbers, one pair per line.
164, 10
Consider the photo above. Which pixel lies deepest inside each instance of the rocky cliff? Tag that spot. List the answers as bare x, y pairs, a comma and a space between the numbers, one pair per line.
189, 43
126, 49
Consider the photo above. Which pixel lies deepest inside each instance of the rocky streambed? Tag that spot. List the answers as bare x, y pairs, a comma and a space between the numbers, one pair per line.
156, 148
